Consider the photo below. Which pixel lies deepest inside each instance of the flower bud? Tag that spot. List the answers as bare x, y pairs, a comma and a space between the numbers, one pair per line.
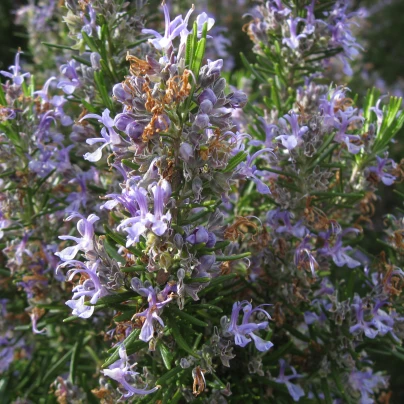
214, 67
197, 187
206, 107
119, 93
207, 94
178, 241
121, 121
211, 240
237, 99
219, 87
201, 121
162, 123
134, 130
95, 60
199, 235
186, 151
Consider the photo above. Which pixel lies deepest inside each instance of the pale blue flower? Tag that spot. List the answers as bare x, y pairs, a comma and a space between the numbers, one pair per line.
122, 372
16, 75
244, 332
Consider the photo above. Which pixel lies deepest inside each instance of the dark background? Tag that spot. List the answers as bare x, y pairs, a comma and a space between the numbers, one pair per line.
11, 36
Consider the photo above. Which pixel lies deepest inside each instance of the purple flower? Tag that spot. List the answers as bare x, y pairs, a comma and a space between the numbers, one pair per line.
7, 113
120, 94
143, 219
238, 99
247, 170
42, 131
207, 95
310, 317
184, 34
186, 151
161, 193
151, 314
244, 332
294, 389
16, 75
378, 111
172, 30
89, 26
366, 384
72, 79
278, 7
50, 158
58, 101
291, 139
44, 92
85, 243
126, 122
138, 223
34, 315
339, 28
4, 223
326, 288
22, 248
341, 123
122, 372
337, 251
294, 40
128, 199
201, 121
371, 321
214, 67
330, 106
122, 121
280, 221
310, 19
34, 285
80, 198
304, 256
270, 130
8, 346
386, 178
201, 235
109, 135
91, 289
201, 19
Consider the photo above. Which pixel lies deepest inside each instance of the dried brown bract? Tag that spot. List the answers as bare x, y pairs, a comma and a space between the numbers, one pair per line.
240, 228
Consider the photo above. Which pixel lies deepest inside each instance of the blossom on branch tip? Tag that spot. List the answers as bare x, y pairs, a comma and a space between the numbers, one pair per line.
85, 243
122, 372
378, 173
293, 138
244, 332
151, 314
294, 389
248, 170
293, 41
72, 79
143, 219
90, 290
109, 135
16, 75
172, 30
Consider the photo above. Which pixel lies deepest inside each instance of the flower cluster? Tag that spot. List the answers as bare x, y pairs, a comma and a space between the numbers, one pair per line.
304, 36
210, 242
